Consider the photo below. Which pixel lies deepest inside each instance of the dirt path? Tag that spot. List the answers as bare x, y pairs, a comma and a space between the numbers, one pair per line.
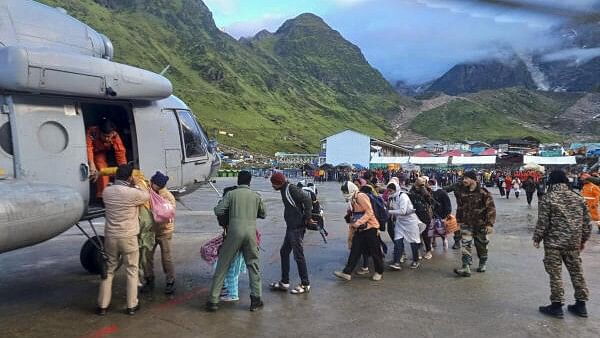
401, 124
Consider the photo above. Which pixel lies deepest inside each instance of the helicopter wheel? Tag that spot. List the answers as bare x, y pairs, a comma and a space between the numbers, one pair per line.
91, 257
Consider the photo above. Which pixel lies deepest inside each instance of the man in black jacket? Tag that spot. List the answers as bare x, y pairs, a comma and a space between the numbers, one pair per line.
297, 214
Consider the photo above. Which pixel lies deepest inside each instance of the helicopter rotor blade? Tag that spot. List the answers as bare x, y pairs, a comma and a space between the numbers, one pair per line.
580, 15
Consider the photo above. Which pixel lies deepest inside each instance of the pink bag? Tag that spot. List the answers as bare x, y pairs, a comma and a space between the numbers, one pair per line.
162, 210
210, 250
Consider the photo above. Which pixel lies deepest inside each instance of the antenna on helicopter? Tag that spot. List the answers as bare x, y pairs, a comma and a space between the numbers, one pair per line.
165, 70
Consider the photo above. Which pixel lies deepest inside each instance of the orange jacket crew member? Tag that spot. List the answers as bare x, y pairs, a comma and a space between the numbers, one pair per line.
591, 194
100, 140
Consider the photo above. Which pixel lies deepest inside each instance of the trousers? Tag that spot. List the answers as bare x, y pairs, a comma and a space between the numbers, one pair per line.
426, 238
102, 182
399, 250
164, 242
293, 243
365, 239
553, 260
473, 235
235, 241
529, 195
129, 250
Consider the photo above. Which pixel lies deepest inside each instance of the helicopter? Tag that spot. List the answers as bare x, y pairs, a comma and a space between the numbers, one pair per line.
57, 79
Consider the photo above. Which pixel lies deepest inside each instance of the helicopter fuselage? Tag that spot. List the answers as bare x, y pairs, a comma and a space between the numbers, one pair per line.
57, 80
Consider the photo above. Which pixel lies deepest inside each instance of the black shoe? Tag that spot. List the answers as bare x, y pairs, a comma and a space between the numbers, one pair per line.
148, 286
578, 309
212, 307
255, 303
131, 310
554, 310
101, 311
456, 246
170, 288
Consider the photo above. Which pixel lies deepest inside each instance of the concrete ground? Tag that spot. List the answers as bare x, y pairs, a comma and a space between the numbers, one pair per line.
44, 292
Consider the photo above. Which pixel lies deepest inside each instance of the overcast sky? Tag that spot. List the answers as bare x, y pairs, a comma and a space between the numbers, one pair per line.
410, 40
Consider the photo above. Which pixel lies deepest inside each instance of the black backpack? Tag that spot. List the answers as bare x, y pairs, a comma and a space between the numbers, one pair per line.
316, 211
316, 206
379, 209
298, 204
423, 209
223, 220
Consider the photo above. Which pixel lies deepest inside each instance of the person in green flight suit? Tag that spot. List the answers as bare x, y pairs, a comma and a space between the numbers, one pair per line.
243, 206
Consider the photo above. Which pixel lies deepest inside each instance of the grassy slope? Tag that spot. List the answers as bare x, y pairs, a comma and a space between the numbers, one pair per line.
230, 86
489, 115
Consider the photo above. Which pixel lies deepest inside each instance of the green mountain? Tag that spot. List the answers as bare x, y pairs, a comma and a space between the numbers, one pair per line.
506, 113
275, 92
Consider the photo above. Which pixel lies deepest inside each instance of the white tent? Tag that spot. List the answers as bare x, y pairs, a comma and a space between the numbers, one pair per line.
473, 160
390, 160
559, 160
534, 167
429, 160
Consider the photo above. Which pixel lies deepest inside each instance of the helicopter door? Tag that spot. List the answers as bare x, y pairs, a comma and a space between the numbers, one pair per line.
49, 142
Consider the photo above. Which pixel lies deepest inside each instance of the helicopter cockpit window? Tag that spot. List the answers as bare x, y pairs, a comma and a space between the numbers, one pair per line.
6, 138
194, 140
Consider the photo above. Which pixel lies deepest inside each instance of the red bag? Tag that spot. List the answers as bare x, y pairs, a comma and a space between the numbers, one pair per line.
162, 210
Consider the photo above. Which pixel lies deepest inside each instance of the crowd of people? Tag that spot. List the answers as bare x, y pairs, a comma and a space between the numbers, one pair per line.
414, 209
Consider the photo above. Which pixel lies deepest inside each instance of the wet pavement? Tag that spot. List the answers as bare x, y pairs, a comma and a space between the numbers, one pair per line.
44, 291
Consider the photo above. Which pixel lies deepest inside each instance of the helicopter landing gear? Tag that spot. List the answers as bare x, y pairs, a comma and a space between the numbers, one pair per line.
91, 255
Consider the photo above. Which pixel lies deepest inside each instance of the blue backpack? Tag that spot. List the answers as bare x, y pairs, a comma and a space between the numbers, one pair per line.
379, 210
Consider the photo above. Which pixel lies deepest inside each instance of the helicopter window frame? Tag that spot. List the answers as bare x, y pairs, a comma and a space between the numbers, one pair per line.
195, 130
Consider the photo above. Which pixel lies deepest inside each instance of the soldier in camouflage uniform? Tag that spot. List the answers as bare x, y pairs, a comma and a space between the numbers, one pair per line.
564, 225
476, 214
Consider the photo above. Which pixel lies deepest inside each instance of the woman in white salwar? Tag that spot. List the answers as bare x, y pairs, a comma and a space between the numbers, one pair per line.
406, 225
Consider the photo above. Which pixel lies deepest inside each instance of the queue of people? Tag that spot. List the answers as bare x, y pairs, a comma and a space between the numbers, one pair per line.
415, 216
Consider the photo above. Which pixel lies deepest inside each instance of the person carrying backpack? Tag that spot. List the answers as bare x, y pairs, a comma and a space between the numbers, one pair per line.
381, 214
364, 229
298, 215
422, 200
